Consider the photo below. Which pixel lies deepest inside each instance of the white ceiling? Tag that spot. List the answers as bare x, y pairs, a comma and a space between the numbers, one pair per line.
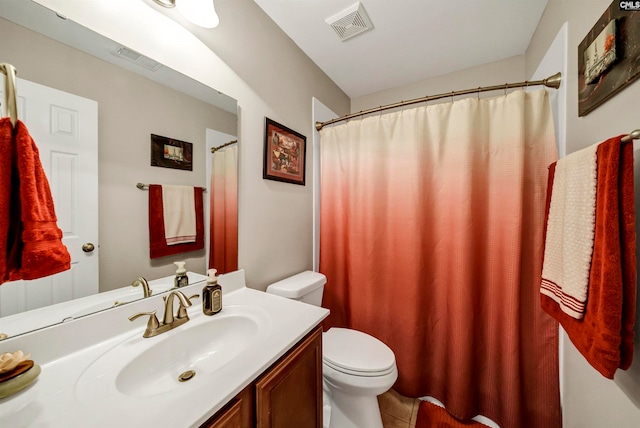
412, 40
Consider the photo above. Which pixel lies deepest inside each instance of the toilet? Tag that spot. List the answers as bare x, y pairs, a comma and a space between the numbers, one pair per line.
356, 367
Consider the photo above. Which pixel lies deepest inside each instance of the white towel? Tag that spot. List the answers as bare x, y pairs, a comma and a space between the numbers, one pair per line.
570, 231
179, 208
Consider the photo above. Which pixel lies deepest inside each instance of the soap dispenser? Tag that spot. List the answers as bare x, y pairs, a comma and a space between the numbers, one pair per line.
212, 294
181, 279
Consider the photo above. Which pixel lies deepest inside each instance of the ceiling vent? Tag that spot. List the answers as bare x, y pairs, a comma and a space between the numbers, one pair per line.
350, 22
137, 58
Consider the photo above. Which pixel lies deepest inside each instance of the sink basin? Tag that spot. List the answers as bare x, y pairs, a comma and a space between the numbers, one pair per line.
202, 349
196, 351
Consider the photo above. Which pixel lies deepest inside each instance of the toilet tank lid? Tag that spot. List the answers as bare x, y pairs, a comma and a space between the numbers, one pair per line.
297, 286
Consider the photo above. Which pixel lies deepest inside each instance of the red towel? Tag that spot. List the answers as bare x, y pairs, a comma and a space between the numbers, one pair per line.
6, 185
31, 239
605, 335
433, 416
157, 243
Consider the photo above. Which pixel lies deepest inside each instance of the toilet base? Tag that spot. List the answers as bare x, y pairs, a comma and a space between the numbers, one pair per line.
349, 411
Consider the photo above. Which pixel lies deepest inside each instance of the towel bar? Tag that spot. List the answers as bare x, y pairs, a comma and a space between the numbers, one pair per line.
633, 135
143, 186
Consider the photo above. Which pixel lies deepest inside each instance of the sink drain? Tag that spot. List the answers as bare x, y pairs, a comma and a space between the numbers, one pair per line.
188, 375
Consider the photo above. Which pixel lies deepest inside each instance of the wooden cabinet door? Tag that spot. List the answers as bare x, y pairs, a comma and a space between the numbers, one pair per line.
238, 413
229, 418
290, 394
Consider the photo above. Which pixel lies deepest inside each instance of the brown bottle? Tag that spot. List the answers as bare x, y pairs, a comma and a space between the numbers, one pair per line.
212, 294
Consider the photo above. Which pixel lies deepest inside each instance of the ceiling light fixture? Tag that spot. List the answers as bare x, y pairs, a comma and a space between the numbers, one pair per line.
200, 12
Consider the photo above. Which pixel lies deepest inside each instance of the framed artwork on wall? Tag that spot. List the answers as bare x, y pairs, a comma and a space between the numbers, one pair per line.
284, 154
608, 56
171, 153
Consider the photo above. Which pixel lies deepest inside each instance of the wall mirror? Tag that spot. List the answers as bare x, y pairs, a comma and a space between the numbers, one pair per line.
130, 96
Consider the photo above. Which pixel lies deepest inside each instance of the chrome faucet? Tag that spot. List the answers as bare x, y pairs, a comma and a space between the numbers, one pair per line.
145, 286
169, 320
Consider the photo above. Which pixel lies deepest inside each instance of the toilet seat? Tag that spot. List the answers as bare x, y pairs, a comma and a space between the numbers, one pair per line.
356, 353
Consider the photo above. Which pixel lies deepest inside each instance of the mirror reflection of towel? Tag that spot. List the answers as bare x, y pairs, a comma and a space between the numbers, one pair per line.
157, 243
179, 210
30, 240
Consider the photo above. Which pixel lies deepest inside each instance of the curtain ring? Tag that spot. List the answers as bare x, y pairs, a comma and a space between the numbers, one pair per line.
452, 92
479, 88
505, 89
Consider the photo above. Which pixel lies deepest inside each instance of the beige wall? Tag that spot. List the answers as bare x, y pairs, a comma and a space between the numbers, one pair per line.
590, 400
250, 59
276, 222
130, 108
616, 116
494, 73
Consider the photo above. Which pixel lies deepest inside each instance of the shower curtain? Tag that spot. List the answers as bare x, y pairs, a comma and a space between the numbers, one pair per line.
223, 206
431, 241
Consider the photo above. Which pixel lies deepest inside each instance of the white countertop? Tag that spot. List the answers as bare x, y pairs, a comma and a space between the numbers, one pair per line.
66, 351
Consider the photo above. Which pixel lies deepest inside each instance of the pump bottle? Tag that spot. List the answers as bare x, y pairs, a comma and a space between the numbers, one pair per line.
181, 279
212, 294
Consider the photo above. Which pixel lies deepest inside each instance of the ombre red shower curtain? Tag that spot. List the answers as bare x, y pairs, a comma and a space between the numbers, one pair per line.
431, 241
223, 209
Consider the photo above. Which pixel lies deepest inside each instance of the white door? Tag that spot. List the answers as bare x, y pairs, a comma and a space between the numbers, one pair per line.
65, 129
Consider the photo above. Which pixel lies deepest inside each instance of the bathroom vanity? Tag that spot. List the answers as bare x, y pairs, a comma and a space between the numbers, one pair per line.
256, 363
288, 394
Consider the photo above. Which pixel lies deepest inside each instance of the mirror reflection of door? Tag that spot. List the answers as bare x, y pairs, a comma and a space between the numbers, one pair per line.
65, 129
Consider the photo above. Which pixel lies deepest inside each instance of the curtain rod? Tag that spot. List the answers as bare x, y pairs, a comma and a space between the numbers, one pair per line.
143, 186
550, 82
215, 149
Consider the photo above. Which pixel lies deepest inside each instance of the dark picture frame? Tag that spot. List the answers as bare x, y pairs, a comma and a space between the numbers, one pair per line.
608, 57
171, 153
284, 154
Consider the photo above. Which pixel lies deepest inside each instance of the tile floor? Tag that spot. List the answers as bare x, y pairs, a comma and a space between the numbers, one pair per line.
398, 411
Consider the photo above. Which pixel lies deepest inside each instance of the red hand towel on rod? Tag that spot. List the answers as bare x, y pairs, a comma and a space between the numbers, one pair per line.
157, 243
34, 247
605, 335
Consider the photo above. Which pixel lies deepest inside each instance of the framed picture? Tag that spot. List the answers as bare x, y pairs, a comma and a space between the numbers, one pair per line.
608, 57
170, 153
284, 153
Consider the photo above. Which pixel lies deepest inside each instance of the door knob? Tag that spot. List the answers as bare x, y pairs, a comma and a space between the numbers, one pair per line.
88, 247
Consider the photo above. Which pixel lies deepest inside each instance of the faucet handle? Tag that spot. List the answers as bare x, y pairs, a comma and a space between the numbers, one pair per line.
152, 324
182, 309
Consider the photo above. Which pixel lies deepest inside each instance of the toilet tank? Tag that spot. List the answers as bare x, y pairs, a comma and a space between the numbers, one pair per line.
306, 286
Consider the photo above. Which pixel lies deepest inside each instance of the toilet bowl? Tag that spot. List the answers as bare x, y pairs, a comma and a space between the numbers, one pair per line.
356, 367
